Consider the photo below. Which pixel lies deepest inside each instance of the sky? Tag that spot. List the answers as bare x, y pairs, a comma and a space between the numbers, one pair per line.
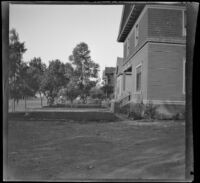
52, 31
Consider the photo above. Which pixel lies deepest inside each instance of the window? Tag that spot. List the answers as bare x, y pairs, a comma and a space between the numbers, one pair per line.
184, 17
184, 69
138, 78
136, 34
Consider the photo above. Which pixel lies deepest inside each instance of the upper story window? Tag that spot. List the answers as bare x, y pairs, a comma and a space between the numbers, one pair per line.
136, 34
138, 78
184, 18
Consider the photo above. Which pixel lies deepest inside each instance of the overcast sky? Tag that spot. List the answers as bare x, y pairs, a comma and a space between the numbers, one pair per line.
52, 31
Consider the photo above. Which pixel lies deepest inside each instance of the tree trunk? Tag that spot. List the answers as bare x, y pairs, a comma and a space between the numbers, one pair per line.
25, 102
14, 105
41, 100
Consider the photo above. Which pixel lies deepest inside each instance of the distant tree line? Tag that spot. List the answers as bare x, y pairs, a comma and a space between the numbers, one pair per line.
78, 77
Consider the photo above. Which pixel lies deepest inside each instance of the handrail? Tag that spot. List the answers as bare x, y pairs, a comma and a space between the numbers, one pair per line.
125, 99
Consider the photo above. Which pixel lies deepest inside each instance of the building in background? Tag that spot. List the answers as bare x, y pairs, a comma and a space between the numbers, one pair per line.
153, 68
109, 80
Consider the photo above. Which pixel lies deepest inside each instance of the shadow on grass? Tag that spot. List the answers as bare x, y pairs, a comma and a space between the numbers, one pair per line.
80, 117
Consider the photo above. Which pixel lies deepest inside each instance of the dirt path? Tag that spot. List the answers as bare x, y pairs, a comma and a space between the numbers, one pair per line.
56, 150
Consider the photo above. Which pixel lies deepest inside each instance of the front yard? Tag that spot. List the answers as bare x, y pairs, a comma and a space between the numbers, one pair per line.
64, 150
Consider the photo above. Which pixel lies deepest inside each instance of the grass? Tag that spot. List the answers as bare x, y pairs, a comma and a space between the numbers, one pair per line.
63, 150
75, 115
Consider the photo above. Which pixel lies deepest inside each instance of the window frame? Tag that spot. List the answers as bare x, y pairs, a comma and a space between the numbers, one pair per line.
138, 91
136, 34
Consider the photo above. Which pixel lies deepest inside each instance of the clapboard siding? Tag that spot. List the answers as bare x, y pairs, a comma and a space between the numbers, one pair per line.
165, 23
165, 72
143, 33
161, 25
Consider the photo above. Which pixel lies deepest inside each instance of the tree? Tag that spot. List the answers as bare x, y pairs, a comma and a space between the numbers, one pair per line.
54, 79
96, 93
71, 92
86, 70
108, 90
25, 84
36, 70
16, 51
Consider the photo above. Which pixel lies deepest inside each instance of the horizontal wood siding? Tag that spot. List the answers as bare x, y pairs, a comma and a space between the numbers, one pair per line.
132, 42
143, 29
143, 32
165, 23
165, 72
140, 57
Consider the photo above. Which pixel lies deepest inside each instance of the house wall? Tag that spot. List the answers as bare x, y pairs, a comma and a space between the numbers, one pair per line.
128, 84
160, 50
140, 58
165, 72
118, 91
110, 79
156, 23
165, 23
143, 33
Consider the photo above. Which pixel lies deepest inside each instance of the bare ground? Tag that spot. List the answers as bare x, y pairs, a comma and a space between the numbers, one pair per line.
58, 150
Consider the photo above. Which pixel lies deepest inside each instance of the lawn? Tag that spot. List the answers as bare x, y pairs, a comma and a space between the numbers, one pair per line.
64, 150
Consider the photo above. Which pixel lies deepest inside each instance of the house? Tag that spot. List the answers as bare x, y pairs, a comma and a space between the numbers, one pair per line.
122, 87
153, 64
109, 77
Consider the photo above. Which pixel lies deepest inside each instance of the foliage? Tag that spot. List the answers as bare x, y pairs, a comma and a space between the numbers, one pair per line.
136, 111
36, 70
108, 90
179, 116
85, 69
150, 111
96, 93
69, 72
54, 79
125, 109
71, 92
24, 82
85, 89
16, 51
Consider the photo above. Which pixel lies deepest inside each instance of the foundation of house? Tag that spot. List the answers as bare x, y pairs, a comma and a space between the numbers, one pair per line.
160, 111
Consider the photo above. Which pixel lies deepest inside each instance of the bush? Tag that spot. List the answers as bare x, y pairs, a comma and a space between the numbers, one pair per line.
162, 116
179, 116
125, 109
150, 111
136, 111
